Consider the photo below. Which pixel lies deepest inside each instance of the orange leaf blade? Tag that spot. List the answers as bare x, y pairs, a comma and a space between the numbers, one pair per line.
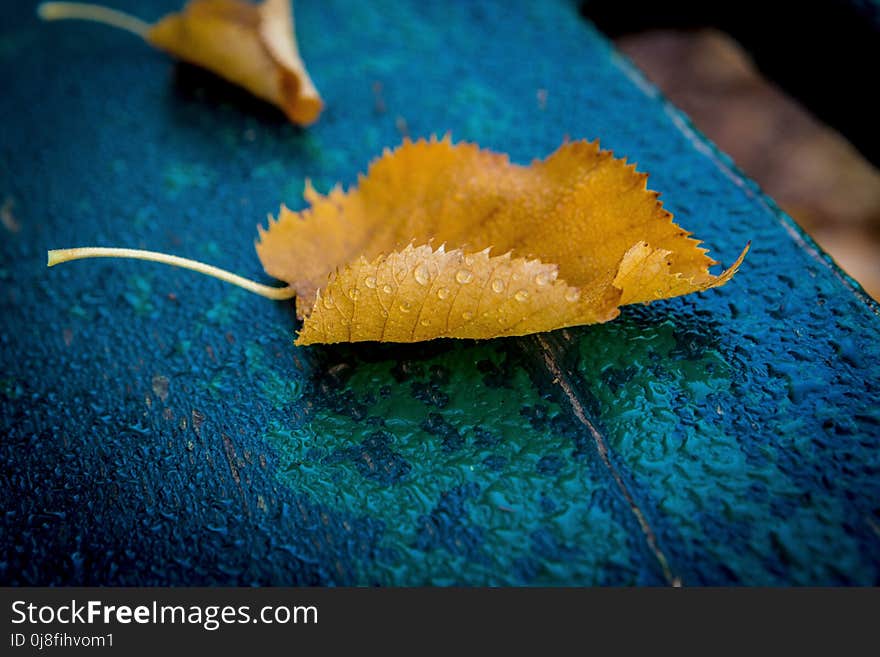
583, 216
421, 294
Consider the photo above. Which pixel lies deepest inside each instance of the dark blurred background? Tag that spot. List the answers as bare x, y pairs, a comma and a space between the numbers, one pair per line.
785, 89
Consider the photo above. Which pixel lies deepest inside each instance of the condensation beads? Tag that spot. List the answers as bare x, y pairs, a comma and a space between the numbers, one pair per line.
543, 278
422, 275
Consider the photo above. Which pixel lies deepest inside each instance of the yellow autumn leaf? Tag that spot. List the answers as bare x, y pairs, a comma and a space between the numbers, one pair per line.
250, 45
448, 240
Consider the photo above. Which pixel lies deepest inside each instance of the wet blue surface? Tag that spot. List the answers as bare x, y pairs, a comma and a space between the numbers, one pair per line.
161, 428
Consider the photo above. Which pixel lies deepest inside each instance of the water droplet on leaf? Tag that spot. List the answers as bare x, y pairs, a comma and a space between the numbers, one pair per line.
422, 275
543, 278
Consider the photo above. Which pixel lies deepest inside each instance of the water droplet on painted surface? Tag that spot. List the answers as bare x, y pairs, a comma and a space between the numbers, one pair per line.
386, 289
405, 307
443, 293
467, 315
353, 294
572, 295
498, 286
464, 276
522, 295
370, 282
425, 322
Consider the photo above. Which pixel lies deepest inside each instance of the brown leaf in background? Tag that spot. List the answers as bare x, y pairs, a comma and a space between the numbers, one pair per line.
251, 45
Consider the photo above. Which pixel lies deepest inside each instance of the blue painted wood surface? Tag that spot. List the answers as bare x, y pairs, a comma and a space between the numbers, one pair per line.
161, 428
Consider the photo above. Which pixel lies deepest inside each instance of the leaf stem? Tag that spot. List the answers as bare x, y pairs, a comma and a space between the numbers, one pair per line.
277, 293
52, 11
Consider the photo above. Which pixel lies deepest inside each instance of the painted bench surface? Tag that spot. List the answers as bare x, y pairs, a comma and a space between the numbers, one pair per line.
160, 428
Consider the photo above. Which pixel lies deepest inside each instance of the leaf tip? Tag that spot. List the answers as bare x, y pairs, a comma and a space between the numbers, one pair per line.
47, 11
728, 273
306, 110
